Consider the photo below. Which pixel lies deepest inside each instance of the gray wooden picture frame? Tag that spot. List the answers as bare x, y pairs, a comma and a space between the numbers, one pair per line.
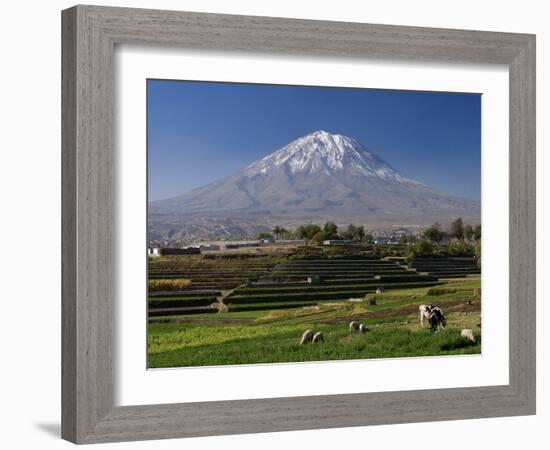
90, 34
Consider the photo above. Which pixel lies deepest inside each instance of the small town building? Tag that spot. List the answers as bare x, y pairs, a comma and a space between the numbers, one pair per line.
153, 251
209, 247
338, 242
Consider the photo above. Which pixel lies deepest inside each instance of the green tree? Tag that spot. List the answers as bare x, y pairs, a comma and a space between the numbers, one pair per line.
477, 232
468, 232
354, 232
478, 253
457, 228
424, 248
434, 233
460, 248
331, 230
307, 231
265, 236
279, 232
368, 238
421, 248
318, 237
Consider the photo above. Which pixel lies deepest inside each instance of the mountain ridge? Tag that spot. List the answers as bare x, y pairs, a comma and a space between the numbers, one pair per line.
318, 176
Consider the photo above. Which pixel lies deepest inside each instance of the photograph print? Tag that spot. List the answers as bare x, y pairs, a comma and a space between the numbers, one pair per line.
303, 223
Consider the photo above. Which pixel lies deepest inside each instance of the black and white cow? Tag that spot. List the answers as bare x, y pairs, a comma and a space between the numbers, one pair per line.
437, 319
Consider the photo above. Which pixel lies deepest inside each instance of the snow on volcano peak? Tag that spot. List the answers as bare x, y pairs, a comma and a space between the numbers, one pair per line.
326, 153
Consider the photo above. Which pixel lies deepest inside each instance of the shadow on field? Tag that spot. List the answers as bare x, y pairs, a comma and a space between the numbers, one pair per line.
460, 344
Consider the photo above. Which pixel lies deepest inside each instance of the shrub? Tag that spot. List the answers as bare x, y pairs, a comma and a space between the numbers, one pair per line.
478, 253
421, 248
440, 291
371, 299
460, 248
172, 284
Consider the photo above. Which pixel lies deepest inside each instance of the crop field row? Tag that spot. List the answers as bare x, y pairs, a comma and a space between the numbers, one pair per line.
272, 334
447, 267
318, 295
186, 293
167, 312
179, 302
340, 279
292, 288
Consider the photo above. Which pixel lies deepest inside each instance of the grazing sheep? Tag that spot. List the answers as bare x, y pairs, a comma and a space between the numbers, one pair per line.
354, 326
424, 313
379, 290
468, 335
318, 337
363, 328
307, 337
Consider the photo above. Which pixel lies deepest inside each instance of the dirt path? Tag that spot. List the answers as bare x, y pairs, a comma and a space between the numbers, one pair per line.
453, 306
225, 293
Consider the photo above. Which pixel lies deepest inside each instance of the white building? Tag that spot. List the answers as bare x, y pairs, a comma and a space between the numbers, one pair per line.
153, 251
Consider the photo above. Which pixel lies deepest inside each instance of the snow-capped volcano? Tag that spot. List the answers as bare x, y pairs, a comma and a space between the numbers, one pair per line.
330, 153
320, 176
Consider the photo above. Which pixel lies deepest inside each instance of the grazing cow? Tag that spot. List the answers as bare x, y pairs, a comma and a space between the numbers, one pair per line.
437, 319
468, 335
425, 311
318, 337
307, 337
363, 328
354, 326
442, 319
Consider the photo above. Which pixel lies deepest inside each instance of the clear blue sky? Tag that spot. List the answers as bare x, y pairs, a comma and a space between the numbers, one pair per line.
199, 132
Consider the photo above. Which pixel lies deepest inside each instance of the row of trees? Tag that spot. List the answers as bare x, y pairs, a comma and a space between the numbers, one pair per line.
458, 231
315, 233
457, 248
464, 240
330, 232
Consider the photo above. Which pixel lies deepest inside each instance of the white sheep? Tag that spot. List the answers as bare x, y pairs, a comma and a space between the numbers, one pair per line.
354, 326
469, 335
318, 337
307, 336
363, 328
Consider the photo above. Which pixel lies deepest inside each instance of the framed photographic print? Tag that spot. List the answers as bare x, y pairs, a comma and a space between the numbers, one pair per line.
277, 224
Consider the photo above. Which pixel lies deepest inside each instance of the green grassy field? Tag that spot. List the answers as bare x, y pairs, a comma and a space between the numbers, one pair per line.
273, 335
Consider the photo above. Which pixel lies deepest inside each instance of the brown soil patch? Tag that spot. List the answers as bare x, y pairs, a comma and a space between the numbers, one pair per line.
454, 306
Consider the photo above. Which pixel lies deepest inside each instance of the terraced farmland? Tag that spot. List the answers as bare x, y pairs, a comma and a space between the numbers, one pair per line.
272, 334
447, 266
211, 279
253, 309
229, 284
